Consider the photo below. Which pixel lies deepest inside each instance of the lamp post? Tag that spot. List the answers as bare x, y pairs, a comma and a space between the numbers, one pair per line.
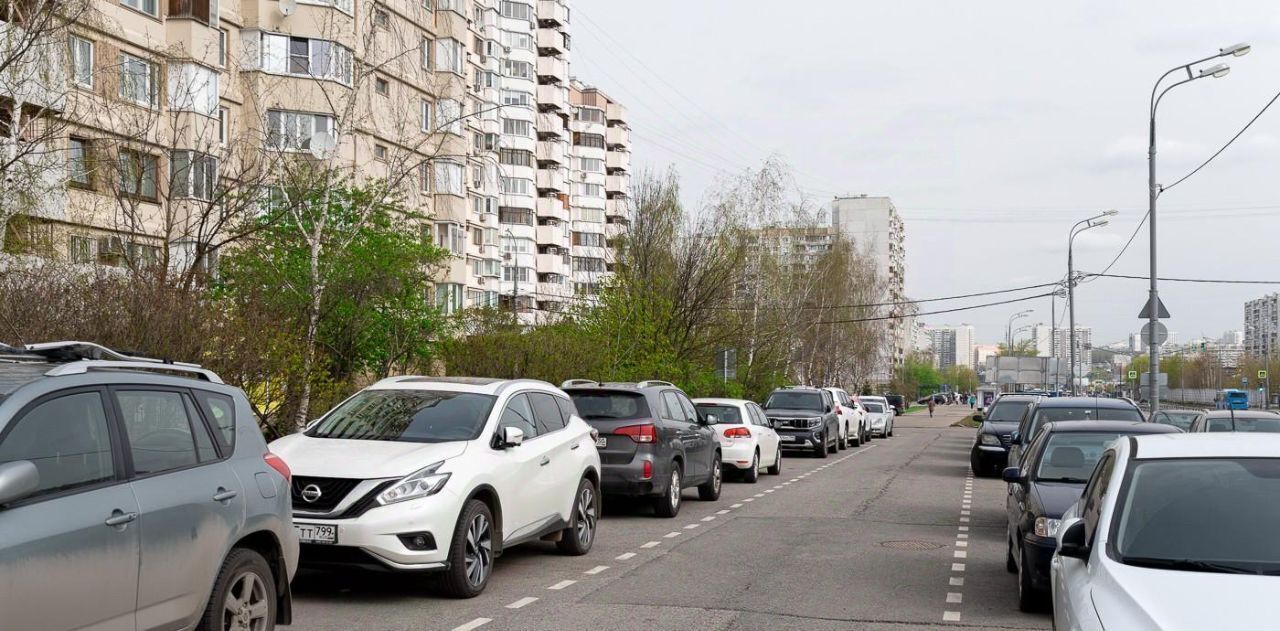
1216, 71
1058, 292
1096, 221
1008, 329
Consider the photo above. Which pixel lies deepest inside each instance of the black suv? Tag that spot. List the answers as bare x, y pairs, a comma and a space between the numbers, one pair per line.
1062, 409
898, 402
804, 418
990, 451
653, 442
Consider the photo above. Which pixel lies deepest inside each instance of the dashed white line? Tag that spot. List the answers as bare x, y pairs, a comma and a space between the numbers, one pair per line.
951, 616
750, 499
768, 490
964, 529
958, 581
962, 536
691, 526
626, 555
596, 570
652, 544
955, 597
528, 600
756, 495
960, 554
562, 584
725, 511
736, 506
957, 567
474, 624
964, 520
672, 534
962, 544
709, 518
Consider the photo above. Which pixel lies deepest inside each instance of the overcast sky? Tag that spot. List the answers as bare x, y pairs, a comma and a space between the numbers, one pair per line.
994, 125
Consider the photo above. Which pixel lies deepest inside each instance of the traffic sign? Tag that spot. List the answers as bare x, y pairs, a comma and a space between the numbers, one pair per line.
1133, 374
1162, 313
1162, 333
1244, 381
1262, 374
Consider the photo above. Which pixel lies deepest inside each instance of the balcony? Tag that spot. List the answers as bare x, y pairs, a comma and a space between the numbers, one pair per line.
553, 13
553, 180
551, 42
552, 126
204, 11
553, 207
617, 184
617, 135
552, 70
554, 97
554, 264
552, 151
618, 160
615, 112
553, 235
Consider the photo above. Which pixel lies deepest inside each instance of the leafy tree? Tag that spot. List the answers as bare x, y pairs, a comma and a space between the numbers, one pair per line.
1025, 348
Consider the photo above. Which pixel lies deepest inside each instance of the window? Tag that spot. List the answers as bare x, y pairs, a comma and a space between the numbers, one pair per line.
293, 130
590, 239
425, 53
452, 237
160, 431
517, 97
221, 412
222, 48
150, 7
78, 162
1094, 492
519, 415
589, 215
517, 40
137, 173
486, 79
426, 116
412, 416
66, 438
143, 255
516, 10
381, 87
516, 245
546, 412
591, 165
589, 114
449, 178
193, 174
424, 176
449, 5
138, 80
193, 88
587, 264
81, 249
517, 69
485, 205
588, 140
516, 186
449, 298
590, 190
513, 127
303, 57
519, 274
380, 152
516, 157
341, 5
449, 116
224, 124
450, 56
81, 61
381, 19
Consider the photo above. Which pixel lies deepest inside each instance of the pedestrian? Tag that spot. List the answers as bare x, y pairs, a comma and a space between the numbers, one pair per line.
973, 401
931, 404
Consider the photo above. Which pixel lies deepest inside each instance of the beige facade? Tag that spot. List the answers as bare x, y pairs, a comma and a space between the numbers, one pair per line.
466, 107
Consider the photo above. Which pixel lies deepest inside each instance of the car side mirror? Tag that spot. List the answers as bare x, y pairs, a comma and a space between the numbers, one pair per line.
1011, 474
18, 480
512, 437
979, 417
1072, 541
710, 419
828, 409
1016, 437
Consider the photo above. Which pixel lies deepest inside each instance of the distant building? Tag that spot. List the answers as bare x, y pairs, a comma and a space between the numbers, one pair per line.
875, 228
1262, 325
1136, 343
1232, 337
982, 351
952, 345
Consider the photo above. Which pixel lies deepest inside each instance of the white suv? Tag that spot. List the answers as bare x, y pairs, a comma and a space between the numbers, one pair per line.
853, 426
441, 474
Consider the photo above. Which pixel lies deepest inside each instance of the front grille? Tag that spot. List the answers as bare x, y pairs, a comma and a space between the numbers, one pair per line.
794, 423
363, 504
1006, 439
332, 492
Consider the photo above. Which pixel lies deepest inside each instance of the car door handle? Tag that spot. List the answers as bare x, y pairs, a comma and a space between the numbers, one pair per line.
223, 495
575, 446
545, 461
120, 518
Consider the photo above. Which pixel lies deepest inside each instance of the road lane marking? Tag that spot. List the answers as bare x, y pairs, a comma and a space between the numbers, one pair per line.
596, 570
725, 511
626, 555
562, 585
958, 581
652, 544
957, 567
964, 529
672, 534
962, 544
964, 520
758, 495
960, 554
709, 518
736, 506
474, 624
691, 526
962, 536
528, 600
955, 597
951, 616
768, 490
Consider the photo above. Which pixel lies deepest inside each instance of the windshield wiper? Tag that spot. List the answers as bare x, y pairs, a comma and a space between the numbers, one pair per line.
1072, 480
1192, 565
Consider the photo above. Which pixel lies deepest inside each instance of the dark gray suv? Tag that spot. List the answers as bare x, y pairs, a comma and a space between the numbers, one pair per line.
136, 494
804, 418
653, 442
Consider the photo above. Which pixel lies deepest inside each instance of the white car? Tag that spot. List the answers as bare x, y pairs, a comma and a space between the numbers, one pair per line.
442, 474
880, 415
747, 440
1173, 532
853, 425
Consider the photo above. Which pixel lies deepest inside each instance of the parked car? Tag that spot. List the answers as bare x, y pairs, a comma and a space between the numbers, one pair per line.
136, 494
1051, 476
805, 418
1180, 419
853, 423
1060, 409
1173, 533
880, 415
747, 442
1236, 421
990, 450
441, 475
653, 443
898, 402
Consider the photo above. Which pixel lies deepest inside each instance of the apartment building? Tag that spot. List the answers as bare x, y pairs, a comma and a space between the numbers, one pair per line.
466, 107
953, 345
875, 227
1262, 325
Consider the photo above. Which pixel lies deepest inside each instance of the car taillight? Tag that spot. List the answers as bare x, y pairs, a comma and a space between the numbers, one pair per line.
646, 433
737, 432
838, 411
278, 463
647, 470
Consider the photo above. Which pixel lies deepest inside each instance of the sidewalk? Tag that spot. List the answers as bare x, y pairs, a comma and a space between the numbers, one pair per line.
943, 416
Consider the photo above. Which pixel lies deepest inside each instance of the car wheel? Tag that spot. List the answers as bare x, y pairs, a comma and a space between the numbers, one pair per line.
668, 505
776, 469
244, 595
470, 552
1010, 563
576, 540
821, 450
1028, 598
890, 432
842, 441
709, 491
752, 475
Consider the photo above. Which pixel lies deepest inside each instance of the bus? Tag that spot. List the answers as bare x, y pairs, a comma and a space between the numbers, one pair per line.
1232, 399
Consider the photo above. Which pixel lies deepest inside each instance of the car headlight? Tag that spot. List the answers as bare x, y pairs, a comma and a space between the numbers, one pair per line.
989, 439
1046, 527
418, 484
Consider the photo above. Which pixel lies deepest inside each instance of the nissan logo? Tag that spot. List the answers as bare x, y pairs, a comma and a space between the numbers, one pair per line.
311, 493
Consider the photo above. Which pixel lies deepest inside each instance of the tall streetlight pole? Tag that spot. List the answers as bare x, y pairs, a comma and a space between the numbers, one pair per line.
1153, 192
1008, 330
1058, 292
1097, 221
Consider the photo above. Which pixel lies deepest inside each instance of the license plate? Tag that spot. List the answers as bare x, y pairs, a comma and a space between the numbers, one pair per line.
787, 439
602, 442
316, 533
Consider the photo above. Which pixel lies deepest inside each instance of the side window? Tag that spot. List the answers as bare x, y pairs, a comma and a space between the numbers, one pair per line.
671, 407
518, 414
1095, 491
159, 427
546, 411
204, 442
826, 399
221, 412
66, 439
567, 408
690, 412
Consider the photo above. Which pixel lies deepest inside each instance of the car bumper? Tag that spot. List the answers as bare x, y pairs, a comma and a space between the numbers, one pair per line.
879, 425
372, 541
628, 478
1039, 554
801, 440
990, 454
738, 454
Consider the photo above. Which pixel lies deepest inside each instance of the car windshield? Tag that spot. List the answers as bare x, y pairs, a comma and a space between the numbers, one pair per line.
874, 408
725, 414
610, 405
1202, 514
1008, 411
791, 400
1245, 424
412, 416
1071, 456
1180, 420
1057, 415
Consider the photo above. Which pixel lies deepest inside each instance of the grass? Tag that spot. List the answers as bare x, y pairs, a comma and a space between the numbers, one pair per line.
968, 421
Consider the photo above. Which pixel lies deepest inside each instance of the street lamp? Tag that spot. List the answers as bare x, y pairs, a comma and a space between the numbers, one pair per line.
1096, 221
1008, 337
1216, 71
1058, 292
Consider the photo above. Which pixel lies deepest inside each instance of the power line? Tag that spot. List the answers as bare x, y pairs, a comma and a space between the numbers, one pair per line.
1123, 249
894, 303
1191, 280
1224, 147
929, 313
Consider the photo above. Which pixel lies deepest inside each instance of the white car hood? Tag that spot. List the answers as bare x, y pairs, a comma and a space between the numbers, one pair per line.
361, 459
1143, 598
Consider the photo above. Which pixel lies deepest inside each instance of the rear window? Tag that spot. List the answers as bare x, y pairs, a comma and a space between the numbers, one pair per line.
1008, 411
1056, 415
874, 408
725, 414
1245, 424
792, 400
610, 405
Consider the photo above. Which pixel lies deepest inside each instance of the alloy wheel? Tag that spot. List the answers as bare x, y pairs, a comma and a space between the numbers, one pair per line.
586, 526
245, 607
674, 490
479, 550
717, 474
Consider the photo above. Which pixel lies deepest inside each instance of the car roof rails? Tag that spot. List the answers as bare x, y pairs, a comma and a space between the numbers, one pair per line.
569, 383
161, 368
81, 357
650, 383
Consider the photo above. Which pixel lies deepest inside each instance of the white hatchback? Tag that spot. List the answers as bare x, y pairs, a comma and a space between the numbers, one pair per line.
880, 415
747, 440
442, 474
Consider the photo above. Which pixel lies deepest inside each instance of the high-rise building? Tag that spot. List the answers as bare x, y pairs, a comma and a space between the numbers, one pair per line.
875, 228
953, 345
467, 106
1262, 325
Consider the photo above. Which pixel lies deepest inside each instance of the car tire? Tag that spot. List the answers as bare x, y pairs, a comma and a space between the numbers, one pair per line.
856, 441
821, 450
668, 504
709, 491
776, 469
752, 474
576, 540
245, 579
470, 552
979, 468
889, 434
1010, 563
842, 442
1029, 600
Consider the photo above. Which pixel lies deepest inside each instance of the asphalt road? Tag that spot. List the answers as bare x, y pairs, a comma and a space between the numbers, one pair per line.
893, 535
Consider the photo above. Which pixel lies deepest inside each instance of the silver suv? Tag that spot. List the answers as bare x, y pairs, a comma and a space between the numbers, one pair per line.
136, 494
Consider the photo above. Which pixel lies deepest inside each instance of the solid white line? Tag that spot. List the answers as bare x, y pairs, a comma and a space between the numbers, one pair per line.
709, 518
955, 597
671, 534
652, 544
951, 616
562, 584
596, 570
958, 581
528, 600
957, 567
626, 555
474, 624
